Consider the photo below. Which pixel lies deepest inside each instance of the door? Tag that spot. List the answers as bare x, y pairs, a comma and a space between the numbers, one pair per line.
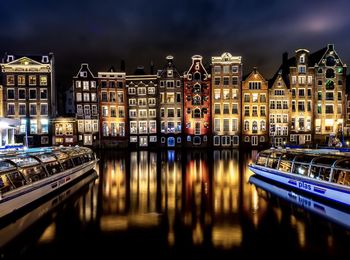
301, 139
197, 130
254, 140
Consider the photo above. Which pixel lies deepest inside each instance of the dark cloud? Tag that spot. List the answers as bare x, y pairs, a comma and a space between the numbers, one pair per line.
104, 32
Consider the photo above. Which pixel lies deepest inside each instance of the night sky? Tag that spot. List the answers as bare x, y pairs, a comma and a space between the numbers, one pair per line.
104, 32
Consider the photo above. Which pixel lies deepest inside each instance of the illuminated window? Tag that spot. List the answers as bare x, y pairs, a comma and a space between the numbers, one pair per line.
10, 80
32, 80
43, 80
21, 80
33, 126
44, 125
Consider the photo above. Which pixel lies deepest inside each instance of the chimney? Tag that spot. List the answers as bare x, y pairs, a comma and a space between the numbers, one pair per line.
331, 46
254, 70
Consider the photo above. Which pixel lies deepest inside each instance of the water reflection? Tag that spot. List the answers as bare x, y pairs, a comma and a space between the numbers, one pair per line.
172, 203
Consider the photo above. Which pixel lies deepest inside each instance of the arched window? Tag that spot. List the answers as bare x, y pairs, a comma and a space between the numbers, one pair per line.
197, 88
330, 73
246, 125
262, 125
330, 61
255, 126
197, 76
196, 100
197, 113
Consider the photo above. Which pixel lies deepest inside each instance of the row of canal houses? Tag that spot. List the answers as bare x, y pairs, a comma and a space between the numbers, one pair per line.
215, 105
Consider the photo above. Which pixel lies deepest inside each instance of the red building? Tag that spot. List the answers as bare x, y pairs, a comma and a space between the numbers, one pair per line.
197, 120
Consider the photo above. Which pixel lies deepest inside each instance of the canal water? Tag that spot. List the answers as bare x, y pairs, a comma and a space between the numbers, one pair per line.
175, 205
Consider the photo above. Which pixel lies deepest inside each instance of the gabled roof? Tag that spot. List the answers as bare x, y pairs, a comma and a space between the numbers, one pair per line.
200, 58
84, 67
254, 72
35, 58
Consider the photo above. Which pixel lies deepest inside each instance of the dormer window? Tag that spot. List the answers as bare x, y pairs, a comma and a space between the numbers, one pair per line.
302, 69
45, 59
83, 74
170, 73
302, 58
10, 58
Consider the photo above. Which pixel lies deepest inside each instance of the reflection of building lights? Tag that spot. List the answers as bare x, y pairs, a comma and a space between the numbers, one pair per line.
49, 234
227, 237
301, 170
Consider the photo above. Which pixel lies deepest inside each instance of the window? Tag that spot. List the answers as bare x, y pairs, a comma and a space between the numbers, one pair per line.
32, 109
272, 104
234, 108
329, 109
152, 112
121, 112
113, 112
197, 113
217, 69
152, 127
21, 93
94, 109
43, 93
262, 111
226, 81
302, 58
131, 90
10, 93
152, 90
133, 127
178, 97
44, 125
21, 80
170, 97
142, 113
246, 125
302, 80
32, 80
22, 109
79, 110
169, 84
217, 123
217, 81
93, 97
120, 97
44, 109
301, 106
301, 92
279, 104
319, 108
178, 112
217, 109
10, 80
255, 111
33, 126
85, 85
171, 112
105, 111
235, 124
255, 126
43, 80
302, 69
285, 104
301, 124
104, 96
234, 81
226, 109
293, 92
262, 98
246, 98
246, 110
93, 84
87, 110
226, 94
10, 109
339, 95
86, 97
226, 125
309, 80
255, 97
141, 91
234, 69
32, 93
254, 85
309, 106
143, 127
293, 106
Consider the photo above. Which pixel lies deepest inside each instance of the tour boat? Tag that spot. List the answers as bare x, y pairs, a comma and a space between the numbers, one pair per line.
334, 214
322, 173
28, 175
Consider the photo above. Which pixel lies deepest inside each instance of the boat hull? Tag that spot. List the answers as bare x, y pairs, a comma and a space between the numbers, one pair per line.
14, 201
322, 189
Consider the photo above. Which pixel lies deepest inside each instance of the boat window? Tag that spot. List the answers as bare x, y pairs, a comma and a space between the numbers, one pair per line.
273, 160
343, 164
53, 167
77, 161
67, 164
61, 155
288, 157
46, 158
16, 179
5, 184
320, 173
304, 158
5, 166
261, 160
82, 158
33, 174
341, 176
301, 169
24, 161
285, 166
325, 160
